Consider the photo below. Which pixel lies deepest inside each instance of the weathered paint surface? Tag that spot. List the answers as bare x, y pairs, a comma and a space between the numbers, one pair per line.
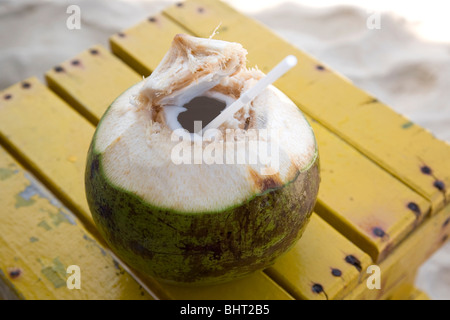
38, 241
44, 132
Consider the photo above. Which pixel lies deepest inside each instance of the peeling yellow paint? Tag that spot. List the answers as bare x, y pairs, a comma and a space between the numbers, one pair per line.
39, 241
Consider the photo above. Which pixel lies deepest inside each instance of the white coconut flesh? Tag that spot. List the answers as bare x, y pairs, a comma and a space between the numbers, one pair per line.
136, 143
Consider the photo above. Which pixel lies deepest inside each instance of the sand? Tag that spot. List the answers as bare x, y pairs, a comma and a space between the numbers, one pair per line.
405, 63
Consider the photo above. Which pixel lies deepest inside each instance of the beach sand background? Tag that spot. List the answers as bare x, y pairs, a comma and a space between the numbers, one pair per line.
405, 63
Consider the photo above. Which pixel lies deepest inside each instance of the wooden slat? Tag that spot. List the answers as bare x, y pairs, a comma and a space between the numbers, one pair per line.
50, 137
94, 69
405, 260
362, 201
404, 291
323, 259
39, 239
257, 286
402, 148
410, 150
365, 203
143, 46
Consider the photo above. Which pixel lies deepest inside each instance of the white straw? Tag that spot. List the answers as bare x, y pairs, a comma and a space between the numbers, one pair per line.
280, 69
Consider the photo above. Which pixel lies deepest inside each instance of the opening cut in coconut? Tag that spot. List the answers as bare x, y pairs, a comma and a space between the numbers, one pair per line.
203, 108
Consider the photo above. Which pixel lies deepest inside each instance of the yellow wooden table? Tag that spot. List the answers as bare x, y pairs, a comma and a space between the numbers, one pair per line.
383, 198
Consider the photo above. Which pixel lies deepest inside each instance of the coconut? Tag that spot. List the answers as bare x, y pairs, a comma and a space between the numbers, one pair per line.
188, 208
